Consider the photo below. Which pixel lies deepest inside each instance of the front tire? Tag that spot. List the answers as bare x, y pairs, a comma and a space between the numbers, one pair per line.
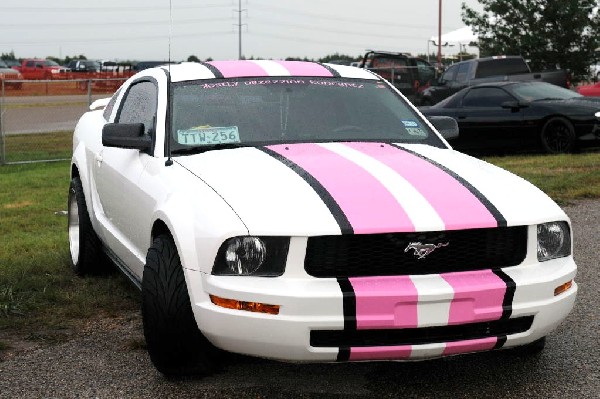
84, 245
558, 136
175, 344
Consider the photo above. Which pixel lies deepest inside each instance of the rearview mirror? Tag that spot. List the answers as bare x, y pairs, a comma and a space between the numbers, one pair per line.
126, 135
445, 125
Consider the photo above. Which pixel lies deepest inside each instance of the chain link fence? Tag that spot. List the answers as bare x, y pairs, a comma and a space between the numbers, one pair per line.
37, 117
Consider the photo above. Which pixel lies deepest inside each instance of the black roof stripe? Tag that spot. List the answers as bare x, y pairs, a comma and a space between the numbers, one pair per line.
328, 200
213, 69
335, 73
500, 219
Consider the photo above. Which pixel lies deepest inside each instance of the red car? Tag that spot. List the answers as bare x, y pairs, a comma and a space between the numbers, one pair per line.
589, 90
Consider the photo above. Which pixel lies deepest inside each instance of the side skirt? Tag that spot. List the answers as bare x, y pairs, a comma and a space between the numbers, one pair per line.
123, 267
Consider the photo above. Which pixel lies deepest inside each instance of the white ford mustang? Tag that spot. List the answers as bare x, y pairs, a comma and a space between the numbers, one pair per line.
308, 212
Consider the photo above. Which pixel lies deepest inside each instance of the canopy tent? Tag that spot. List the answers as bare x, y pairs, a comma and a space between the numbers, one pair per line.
463, 35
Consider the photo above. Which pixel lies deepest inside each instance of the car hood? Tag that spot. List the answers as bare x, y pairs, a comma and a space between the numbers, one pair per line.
8, 71
578, 103
365, 188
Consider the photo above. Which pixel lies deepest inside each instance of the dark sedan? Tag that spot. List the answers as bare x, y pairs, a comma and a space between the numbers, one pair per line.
521, 115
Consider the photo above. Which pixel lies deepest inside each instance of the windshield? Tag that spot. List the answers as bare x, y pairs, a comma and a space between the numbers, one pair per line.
50, 63
542, 91
272, 110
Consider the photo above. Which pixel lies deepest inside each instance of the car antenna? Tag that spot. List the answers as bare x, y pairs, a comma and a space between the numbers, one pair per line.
169, 160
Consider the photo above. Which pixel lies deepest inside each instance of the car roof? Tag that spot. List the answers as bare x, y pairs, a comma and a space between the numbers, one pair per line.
262, 68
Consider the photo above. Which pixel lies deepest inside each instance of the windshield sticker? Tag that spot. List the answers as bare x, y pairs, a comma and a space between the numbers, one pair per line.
274, 82
264, 82
410, 123
203, 135
416, 131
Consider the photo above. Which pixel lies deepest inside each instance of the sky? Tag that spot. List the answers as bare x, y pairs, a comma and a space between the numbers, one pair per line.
273, 29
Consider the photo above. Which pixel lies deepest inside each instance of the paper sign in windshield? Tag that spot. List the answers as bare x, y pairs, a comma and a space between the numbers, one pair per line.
208, 135
413, 128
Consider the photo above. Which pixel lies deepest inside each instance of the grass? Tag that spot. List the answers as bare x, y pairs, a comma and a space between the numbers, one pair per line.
39, 292
564, 177
37, 288
38, 146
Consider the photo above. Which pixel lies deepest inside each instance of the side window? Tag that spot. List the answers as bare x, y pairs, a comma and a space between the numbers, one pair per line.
139, 105
426, 71
461, 73
448, 76
29, 64
486, 97
111, 104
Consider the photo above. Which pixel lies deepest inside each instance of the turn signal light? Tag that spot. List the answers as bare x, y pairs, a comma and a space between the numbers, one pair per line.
242, 305
563, 287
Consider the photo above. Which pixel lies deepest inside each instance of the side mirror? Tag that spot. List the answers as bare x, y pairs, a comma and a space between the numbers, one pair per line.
514, 105
445, 125
126, 135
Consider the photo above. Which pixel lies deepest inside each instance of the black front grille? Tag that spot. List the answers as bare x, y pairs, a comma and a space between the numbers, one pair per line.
387, 254
419, 336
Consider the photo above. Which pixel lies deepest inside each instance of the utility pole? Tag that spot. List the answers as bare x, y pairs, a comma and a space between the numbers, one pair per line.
239, 26
439, 55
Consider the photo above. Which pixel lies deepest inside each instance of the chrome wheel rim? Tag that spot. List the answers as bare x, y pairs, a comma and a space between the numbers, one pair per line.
557, 137
73, 229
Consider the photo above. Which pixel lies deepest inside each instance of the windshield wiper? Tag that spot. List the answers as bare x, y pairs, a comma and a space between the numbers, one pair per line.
205, 148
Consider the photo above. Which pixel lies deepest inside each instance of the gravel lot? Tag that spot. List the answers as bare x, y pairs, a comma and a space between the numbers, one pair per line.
104, 360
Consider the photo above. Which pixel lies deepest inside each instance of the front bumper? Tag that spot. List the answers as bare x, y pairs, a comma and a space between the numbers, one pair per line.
391, 303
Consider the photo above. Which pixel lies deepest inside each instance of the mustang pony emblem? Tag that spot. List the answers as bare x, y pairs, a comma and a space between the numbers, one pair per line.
422, 250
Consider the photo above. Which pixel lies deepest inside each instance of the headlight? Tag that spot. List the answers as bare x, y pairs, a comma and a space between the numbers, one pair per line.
252, 256
553, 240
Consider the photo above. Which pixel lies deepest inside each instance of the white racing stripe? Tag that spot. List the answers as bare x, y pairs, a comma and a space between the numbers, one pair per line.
418, 209
272, 68
435, 297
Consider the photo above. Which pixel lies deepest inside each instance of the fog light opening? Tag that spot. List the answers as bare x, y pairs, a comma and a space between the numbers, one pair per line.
256, 307
563, 287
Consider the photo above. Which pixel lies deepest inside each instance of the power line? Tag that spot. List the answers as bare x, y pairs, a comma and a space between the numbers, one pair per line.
126, 23
119, 40
378, 23
107, 9
344, 32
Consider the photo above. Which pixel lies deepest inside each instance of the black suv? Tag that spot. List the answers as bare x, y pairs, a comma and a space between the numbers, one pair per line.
410, 75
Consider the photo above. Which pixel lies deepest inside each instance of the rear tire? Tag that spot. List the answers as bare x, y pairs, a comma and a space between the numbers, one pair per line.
84, 245
175, 344
558, 136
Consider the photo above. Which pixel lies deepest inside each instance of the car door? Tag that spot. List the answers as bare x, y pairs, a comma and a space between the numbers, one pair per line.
484, 123
117, 173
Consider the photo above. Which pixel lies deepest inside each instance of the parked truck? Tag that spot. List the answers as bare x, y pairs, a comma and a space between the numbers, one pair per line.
484, 70
9, 77
40, 69
411, 75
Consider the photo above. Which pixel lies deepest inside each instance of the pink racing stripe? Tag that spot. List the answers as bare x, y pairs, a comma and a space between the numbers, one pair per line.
455, 204
299, 68
371, 209
237, 69
471, 345
385, 302
478, 296
381, 353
